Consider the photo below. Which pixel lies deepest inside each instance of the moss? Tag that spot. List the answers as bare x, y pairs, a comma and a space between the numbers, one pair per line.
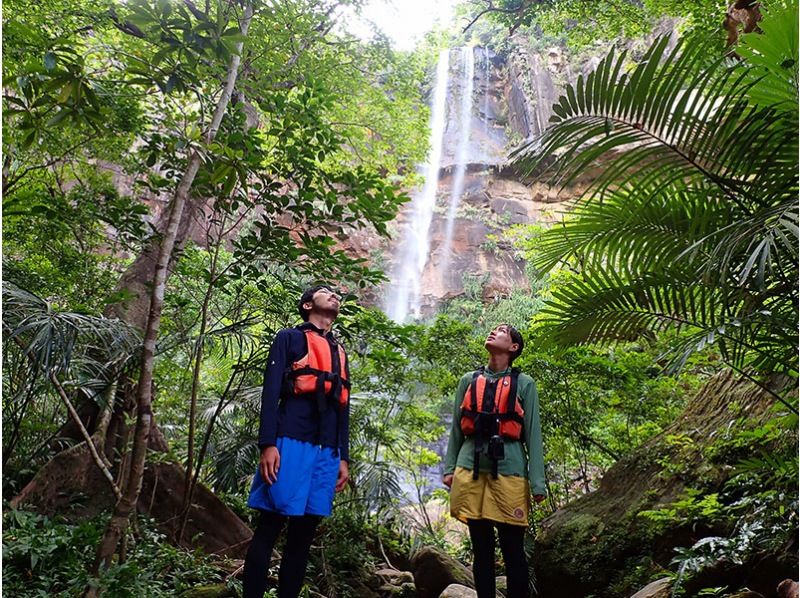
615, 555
219, 590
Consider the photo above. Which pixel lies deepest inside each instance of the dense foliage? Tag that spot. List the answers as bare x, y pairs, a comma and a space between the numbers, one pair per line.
689, 235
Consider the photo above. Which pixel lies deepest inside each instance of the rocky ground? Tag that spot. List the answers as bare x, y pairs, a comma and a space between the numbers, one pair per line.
435, 574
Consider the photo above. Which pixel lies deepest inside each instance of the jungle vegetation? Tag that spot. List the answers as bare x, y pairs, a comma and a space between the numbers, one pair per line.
175, 173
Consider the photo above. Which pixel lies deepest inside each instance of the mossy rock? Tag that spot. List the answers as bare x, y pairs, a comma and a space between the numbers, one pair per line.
434, 570
216, 590
599, 546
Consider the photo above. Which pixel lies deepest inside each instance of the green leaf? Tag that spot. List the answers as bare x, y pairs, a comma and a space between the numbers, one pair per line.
221, 171
59, 117
28, 139
159, 56
64, 94
775, 51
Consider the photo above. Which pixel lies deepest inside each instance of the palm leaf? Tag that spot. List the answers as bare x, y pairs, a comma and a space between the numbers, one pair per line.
635, 229
52, 338
606, 307
775, 57
693, 221
675, 118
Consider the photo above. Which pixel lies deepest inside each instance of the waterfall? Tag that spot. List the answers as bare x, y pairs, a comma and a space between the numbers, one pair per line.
464, 121
405, 296
486, 91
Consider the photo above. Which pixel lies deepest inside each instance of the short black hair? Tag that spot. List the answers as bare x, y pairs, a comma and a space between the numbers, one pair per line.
307, 296
517, 338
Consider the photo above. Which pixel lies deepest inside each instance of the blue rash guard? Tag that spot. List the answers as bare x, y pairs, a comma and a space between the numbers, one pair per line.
299, 417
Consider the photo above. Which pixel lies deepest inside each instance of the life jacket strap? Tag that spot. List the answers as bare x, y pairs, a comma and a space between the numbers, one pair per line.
476, 458
473, 398
338, 383
511, 403
478, 438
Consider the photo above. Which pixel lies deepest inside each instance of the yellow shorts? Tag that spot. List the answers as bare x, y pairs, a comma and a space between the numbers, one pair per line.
506, 499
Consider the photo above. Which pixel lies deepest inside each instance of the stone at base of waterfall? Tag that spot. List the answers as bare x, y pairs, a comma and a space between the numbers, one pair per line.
434, 570
404, 590
788, 588
455, 590
661, 588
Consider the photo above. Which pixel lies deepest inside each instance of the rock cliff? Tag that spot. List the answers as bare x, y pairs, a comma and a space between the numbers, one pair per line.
512, 95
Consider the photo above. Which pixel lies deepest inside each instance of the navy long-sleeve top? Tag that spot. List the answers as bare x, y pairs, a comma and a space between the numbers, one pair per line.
299, 417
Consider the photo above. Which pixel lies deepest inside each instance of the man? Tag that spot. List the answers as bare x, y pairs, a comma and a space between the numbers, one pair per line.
304, 440
493, 457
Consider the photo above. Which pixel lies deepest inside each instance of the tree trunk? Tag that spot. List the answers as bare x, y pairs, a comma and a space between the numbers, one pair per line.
135, 281
119, 520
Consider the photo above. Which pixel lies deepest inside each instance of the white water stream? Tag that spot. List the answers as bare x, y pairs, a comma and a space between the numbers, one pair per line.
464, 122
404, 295
485, 91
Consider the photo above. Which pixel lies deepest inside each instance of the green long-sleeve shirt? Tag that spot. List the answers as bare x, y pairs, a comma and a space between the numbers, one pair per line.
525, 458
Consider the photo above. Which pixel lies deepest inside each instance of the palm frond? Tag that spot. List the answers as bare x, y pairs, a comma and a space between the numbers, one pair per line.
774, 55
55, 338
377, 482
693, 221
607, 307
758, 248
673, 119
636, 228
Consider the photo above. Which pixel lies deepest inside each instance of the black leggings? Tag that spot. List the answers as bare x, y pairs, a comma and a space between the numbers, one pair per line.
512, 545
295, 554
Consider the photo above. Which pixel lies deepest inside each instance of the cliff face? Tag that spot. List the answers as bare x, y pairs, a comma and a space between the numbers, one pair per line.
511, 101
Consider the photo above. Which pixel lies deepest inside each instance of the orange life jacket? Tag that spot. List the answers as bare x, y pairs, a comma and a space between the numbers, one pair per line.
321, 373
492, 406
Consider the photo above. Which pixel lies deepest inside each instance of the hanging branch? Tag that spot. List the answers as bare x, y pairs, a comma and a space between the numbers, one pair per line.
99, 461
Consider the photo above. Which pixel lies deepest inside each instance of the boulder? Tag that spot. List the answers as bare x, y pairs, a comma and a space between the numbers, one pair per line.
455, 590
405, 590
599, 545
434, 570
364, 588
788, 588
661, 588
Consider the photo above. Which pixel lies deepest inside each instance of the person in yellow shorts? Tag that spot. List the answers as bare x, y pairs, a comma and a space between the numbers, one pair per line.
495, 461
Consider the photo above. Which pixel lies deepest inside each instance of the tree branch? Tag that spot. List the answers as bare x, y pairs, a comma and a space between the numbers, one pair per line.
491, 8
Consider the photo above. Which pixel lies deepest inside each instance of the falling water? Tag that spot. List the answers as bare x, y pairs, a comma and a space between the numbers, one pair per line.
464, 120
485, 91
405, 296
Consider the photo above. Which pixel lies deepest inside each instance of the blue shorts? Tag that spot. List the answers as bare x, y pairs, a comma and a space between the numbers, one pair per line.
306, 480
